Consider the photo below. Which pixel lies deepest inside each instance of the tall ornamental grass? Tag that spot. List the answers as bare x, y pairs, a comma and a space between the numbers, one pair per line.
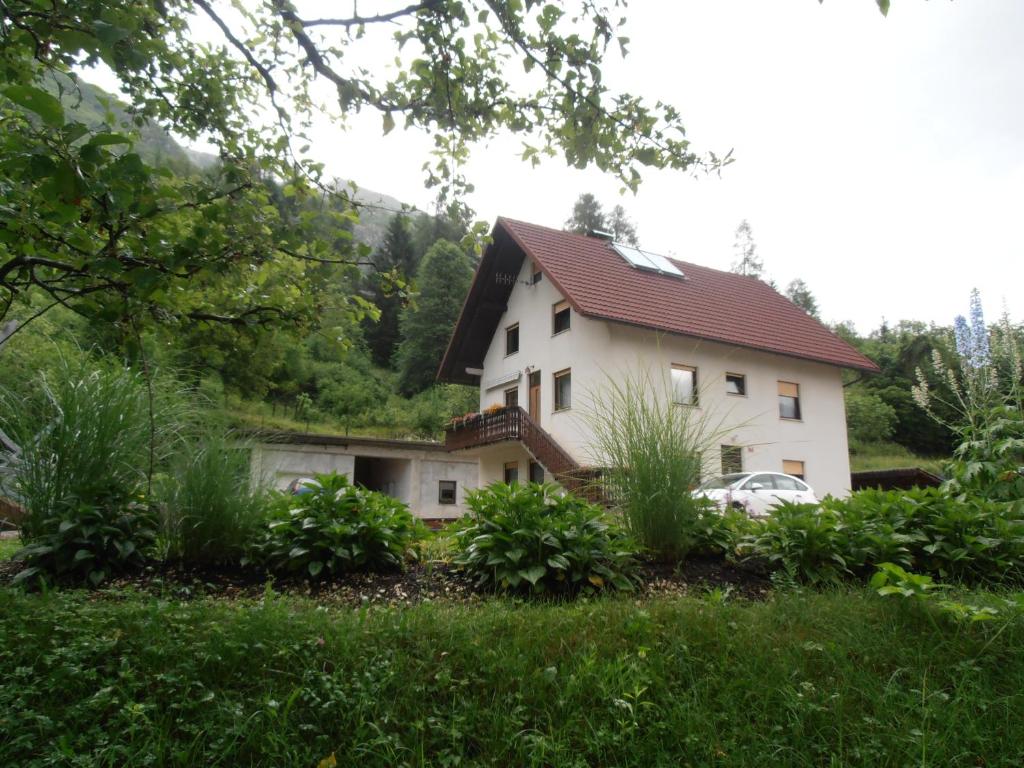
651, 451
212, 504
88, 436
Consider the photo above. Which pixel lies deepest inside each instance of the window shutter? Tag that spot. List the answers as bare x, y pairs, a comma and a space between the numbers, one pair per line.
788, 389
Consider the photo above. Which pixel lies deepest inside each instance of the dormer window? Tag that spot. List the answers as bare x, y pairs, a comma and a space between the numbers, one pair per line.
512, 339
562, 317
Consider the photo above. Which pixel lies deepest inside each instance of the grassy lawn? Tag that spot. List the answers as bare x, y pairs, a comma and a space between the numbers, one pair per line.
8, 547
841, 678
865, 456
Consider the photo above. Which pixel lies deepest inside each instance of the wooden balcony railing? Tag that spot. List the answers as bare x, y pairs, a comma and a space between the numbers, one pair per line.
515, 424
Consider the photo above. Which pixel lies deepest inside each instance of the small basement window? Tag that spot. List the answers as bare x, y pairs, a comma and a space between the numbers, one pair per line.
684, 384
794, 468
562, 319
563, 390
511, 472
789, 400
732, 459
446, 492
512, 339
735, 384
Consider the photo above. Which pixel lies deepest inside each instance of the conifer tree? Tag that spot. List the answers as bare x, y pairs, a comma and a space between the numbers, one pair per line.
443, 279
394, 260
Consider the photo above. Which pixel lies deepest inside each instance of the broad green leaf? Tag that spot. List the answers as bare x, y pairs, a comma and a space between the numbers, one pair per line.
533, 574
108, 139
45, 105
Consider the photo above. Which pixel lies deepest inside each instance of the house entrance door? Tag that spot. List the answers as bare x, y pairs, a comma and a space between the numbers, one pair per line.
535, 396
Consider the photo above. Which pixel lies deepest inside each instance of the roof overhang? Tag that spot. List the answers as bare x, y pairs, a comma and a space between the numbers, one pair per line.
485, 303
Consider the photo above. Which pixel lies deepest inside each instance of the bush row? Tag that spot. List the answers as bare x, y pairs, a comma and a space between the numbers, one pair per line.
964, 539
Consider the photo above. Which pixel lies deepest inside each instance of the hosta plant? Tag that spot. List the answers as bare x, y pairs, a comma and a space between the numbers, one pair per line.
88, 543
804, 541
536, 538
334, 527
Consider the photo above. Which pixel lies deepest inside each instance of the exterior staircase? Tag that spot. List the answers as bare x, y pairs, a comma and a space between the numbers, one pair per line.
513, 424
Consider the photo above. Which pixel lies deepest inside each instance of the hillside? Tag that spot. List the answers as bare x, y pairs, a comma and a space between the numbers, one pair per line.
95, 106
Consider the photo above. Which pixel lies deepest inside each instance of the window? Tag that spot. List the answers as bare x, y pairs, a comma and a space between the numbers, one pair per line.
512, 397
537, 275
512, 472
684, 385
732, 459
536, 472
789, 400
735, 384
563, 390
762, 483
512, 339
784, 483
561, 319
794, 468
446, 492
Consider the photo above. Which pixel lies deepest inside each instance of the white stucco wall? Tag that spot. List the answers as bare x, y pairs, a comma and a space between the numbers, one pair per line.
413, 474
596, 351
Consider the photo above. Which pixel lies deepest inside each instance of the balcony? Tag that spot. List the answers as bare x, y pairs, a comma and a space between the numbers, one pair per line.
511, 424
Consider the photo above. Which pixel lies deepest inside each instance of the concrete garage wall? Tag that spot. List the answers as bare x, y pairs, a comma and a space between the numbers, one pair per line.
410, 471
278, 465
432, 472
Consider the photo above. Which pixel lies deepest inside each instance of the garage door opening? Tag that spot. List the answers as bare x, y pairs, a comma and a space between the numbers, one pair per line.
390, 476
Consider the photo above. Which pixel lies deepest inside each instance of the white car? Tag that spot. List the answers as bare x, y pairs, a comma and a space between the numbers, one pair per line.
756, 492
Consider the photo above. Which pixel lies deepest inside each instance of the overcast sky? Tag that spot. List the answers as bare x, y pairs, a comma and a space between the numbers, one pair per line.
880, 159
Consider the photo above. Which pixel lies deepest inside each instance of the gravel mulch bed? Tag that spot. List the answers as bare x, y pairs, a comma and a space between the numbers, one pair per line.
432, 582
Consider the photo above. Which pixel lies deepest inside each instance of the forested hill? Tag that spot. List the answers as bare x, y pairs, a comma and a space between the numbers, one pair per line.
95, 106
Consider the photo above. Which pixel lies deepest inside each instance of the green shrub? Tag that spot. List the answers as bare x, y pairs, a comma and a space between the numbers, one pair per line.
532, 537
965, 539
334, 528
803, 540
212, 506
89, 543
719, 533
87, 441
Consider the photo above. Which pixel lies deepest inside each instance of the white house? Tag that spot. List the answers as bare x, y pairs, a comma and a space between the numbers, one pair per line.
551, 316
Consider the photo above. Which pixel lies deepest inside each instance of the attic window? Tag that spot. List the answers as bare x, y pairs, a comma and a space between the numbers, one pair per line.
562, 317
537, 275
512, 339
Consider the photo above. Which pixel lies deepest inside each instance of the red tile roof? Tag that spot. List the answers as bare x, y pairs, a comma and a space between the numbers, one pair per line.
707, 304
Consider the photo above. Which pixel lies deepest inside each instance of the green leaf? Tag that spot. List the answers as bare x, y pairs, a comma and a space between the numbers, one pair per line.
315, 566
389, 123
108, 139
533, 574
45, 105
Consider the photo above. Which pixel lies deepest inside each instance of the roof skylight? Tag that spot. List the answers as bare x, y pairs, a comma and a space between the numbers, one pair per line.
652, 262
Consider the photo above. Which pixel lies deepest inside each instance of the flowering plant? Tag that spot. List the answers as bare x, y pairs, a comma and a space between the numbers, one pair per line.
983, 384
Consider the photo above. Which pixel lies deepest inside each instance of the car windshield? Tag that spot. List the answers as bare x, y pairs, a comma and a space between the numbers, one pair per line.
723, 481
